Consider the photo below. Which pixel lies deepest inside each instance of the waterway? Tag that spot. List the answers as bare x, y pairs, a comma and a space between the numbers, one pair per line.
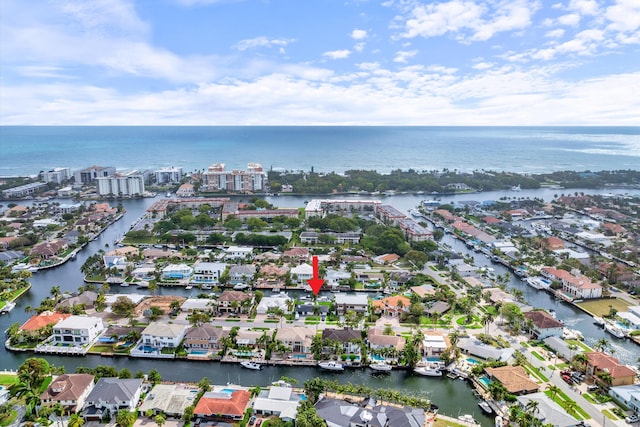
454, 397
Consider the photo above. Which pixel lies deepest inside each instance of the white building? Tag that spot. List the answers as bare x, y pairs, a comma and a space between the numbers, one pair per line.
176, 272
208, 272
56, 175
216, 178
280, 401
275, 301
160, 334
168, 175
303, 272
121, 185
629, 395
88, 175
358, 303
77, 330
239, 252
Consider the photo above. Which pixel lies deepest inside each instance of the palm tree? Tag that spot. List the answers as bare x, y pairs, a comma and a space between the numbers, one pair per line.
75, 420
554, 389
532, 409
487, 319
602, 344
570, 406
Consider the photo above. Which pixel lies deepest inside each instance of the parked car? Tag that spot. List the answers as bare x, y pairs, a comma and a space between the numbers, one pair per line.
252, 420
632, 419
259, 423
567, 379
592, 388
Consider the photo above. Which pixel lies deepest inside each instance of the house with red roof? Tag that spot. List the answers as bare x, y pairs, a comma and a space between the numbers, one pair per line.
554, 243
544, 324
43, 319
298, 255
599, 364
46, 250
223, 404
392, 306
575, 287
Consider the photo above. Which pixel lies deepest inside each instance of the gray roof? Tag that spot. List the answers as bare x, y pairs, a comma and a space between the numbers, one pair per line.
341, 335
338, 413
114, 390
477, 348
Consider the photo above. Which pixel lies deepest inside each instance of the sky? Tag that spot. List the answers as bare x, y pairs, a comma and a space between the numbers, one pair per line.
320, 62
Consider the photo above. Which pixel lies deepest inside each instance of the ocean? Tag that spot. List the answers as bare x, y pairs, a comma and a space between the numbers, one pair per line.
26, 150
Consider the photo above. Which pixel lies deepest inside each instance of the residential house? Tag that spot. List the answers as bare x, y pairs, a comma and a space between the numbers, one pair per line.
197, 304
169, 399
348, 338
302, 272
433, 344
377, 340
223, 404
628, 395
47, 250
339, 413
161, 334
111, 395
42, 320
208, 272
437, 309
386, 259
304, 310
514, 378
242, 273
69, 390
544, 324
87, 299
297, 338
232, 301
115, 261
296, 255
273, 272
548, 411
176, 272
205, 337
392, 306
600, 366
239, 252
280, 401
77, 330
358, 303
554, 243
281, 301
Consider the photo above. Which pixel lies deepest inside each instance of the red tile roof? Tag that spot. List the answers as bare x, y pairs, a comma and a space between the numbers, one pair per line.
41, 320
233, 406
543, 320
602, 362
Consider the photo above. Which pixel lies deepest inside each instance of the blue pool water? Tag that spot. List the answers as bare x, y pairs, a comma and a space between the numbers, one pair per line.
199, 351
484, 380
303, 397
227, 390
472, 361
376, 358
148, 349
299, 356
433, 359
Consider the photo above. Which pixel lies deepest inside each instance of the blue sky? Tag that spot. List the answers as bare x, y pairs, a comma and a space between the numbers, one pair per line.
316, 62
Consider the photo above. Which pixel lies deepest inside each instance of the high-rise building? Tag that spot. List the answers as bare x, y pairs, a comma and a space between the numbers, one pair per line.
56, 175
216, 178
130, 184
168, 175
88, 175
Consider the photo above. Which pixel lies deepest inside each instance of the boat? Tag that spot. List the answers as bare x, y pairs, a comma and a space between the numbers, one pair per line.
188, 287
206, 287
240, 287
251, 365
614, 330
598, 320
538, 282
428, 371
7, 307
516, 188
124, 284
486, 408
415, 213
331, 366
168, 194
281, 383
467, 418
380, 367
499, 422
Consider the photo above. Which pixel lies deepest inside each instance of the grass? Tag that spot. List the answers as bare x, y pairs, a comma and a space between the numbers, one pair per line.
8, 379
8, 420
538, 356
101, 348
579, 344
589, 398
560, 398
536, 372
45, 384
601, 307
607, 413
446, 423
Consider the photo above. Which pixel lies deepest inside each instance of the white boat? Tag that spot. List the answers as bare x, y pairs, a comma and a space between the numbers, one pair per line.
380, 367
614, 330
206, 287
331, 366
538, 282
251, 365
485, 407
415, 213
499, 422
7, 307
188, 287
240, 287
468, 419
124, 284
598, 320
516, 188
168, 194
428, 371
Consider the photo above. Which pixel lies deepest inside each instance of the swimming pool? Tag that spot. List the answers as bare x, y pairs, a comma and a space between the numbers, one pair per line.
472, 361
198, 352
227, 390
148, 349
376, 358
485, 381
434, 359
299, 356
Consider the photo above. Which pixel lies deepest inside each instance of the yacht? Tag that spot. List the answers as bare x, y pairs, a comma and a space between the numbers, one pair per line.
380, 367
468, 419
415, 213
538, 282
188, 287
598, 320
614, 330
7, 307
251, 365
516, 188
331, 366
428, 371
486, 408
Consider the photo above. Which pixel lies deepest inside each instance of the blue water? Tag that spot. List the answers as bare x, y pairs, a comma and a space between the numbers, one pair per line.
484, 380
27, 150
198, 352
472, 361
376, 357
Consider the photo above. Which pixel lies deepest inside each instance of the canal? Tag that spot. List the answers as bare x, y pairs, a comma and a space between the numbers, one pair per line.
454, 397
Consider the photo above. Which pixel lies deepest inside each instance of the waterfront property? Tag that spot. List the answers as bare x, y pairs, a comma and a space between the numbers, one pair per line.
339, 413
156, 337
549, 412
204, 337
280, 401
169, 399
222, 404
77, 331
207, 272
68, 390
111, 395
544, 324
514, 378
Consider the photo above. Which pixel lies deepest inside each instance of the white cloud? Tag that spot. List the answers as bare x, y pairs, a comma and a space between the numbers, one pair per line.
359, 34
585, 7
404, 55
337, 54
624, 15
570, 19
359, 47
482, 65
555, 34
514, 15
260, 41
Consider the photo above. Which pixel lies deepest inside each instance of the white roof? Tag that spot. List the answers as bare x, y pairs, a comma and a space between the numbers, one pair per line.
302, 269
357, 299
136, 298
196, 304
280, 393
245, 249
284, 408
78, 322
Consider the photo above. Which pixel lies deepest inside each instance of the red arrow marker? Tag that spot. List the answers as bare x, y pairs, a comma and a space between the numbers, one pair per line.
315, 283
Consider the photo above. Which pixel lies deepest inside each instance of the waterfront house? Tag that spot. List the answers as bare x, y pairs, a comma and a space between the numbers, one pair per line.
205, 337
548, 411
514, 378
115, 261
160, 335
348, 338
242, 273
297, 338
358, 303
340, 413
47, 250
248, 338
392, 306
87, 299
176, 272
279, 401
433, 344
232, 301
208, 272
554, 243
575, 287
69, 390
608, 370
303, 272
304, 310
377, 340
36, 322
76, 331
111, 395
544, 324
223, 404
197, 304
273, 272
169, 399
475, 347
296, 255
281, 301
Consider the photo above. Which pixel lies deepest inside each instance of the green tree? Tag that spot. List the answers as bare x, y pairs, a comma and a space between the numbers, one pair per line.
75, 420
33, 371
125, 418
154, 376
160, 420
123, 306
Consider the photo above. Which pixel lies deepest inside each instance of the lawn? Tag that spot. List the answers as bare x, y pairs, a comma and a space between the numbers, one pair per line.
8, 379
607, 413
6, 421
446, 423
538, 356
560, 398
580, 344
600, 307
